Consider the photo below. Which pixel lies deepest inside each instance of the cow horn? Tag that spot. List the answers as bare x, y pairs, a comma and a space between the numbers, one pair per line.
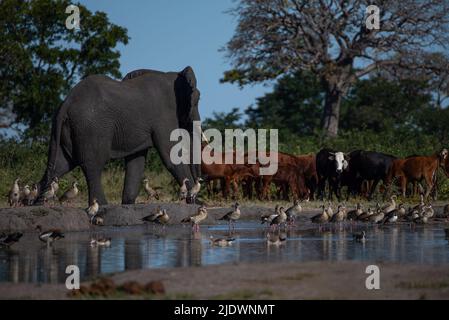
203, 136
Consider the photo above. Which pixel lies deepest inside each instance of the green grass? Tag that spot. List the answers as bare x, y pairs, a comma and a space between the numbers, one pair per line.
27, 160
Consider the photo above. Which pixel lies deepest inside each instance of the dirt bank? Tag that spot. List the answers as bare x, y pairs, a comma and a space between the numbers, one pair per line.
76, 219
311, 280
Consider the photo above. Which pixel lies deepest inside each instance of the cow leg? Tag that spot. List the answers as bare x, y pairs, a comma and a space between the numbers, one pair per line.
403, 182
372, 189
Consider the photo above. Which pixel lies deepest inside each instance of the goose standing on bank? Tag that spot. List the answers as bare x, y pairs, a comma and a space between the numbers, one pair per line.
14, 194
33, 194
183, 191
49, 236
92, 210
49, 194
7, 241
232, 216
195, 219
390, 206
195, 189
24, 195
366, 215
340, 215
293, 211
321, 218
221, 242
70, 194
354, 214
151, 193
55, 183
159, 217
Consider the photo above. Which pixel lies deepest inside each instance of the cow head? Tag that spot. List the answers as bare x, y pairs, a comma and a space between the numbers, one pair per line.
340, 160
444, 161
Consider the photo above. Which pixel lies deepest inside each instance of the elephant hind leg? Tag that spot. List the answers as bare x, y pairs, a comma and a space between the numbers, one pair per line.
135, 166
93, 179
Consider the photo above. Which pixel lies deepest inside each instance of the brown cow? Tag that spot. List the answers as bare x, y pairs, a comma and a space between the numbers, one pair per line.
417, 168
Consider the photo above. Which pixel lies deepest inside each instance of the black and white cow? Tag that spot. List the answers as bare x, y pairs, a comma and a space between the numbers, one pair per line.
330, 165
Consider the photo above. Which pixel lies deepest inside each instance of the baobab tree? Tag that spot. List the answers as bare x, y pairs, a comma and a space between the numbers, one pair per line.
331, 39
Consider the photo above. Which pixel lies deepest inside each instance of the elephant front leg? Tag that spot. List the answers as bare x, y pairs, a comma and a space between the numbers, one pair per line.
135, 166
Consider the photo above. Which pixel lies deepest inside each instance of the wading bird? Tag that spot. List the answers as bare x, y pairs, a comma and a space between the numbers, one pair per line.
195, 219
70, 194
49, 236
232, 216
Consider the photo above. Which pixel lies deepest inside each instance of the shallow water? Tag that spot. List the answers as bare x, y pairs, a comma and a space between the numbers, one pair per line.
147, 247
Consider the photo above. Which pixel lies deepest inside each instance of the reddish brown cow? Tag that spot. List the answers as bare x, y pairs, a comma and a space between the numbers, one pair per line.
418, 168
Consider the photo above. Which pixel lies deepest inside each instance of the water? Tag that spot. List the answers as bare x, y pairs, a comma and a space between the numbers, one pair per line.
147, 247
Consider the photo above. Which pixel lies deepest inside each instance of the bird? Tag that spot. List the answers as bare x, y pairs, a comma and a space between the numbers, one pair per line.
323, 217
221, 242
329, 210
340, 215
97, 220
50, 193
280, 219
14, 194
153, 216
10, 239
151, 193
270, 216
70, 194
276, 239
354, 214
158, 217
183, 191
195, 189
198, 217
365, 216
92, 210
421, 204
25, 195
293, 211
377, 217
49, 236
427, 211
232, 216
360, 237
390, 206
421, 220
33, 194
55, 184
104, 242
392, 217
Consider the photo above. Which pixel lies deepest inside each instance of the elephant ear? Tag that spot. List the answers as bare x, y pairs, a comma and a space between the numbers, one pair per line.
188, 98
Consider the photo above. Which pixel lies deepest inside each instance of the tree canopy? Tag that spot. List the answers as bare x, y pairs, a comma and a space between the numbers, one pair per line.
330, 39
41, 59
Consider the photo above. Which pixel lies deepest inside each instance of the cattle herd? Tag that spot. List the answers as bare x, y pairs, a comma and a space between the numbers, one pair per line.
324, 175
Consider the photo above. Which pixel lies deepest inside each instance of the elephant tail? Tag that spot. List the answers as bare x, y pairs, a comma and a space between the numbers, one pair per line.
54, 151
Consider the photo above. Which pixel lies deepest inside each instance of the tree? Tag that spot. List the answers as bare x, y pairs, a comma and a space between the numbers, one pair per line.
40, 59
294, 105
222, 120
330, 39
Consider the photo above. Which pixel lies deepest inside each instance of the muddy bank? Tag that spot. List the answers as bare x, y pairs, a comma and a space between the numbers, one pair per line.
76, 219
310, 280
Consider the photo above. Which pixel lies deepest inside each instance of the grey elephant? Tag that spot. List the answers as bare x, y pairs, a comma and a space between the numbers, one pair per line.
103, 119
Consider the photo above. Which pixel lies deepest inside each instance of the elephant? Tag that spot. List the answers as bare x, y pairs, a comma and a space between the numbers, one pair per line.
102, 119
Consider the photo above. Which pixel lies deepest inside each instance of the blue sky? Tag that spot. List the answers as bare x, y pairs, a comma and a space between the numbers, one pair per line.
169, 35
